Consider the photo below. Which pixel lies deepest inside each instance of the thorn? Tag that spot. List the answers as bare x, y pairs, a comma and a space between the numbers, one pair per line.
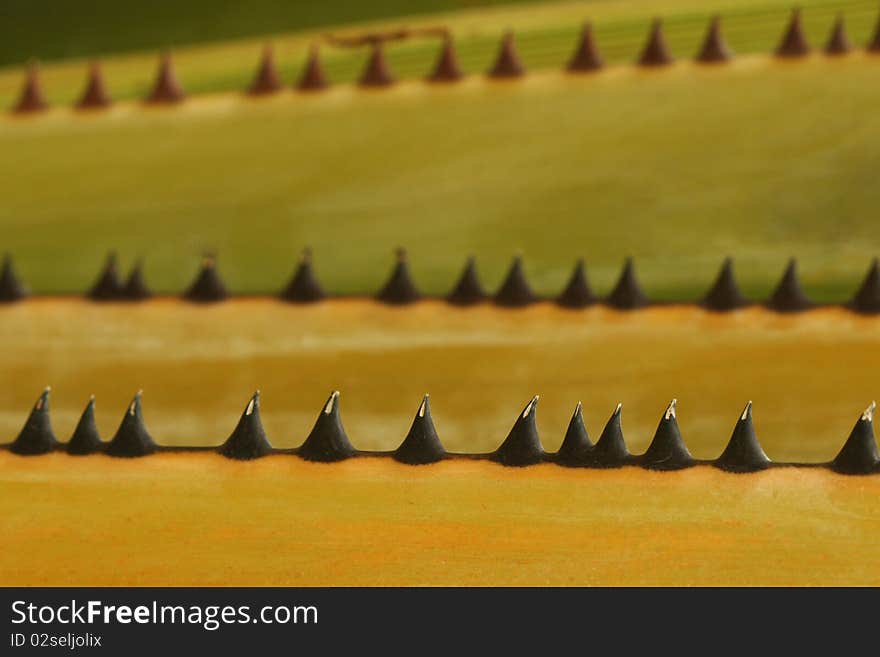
789, 297
377, 72
610, 450
447, 68
207, 287
522, 445
656, 51
248, 440
507, 64
468, 290
586, 56
794, 41
267, 80
132, 438
421, 445
36, 436
667, 450
874, 44
577, 292
867, 298
313, 77
399, 289
838, 41
714, 49
327, 441
32, 98
135, 289
627, 293
725, 294
166, 89
515, 291
85, 438
304, 286
859, 454
743, 453
107, 287
95, 94
576, 446
11, 287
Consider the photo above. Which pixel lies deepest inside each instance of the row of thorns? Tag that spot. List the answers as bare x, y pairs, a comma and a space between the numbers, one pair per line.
377, 72
515, 290
328, 441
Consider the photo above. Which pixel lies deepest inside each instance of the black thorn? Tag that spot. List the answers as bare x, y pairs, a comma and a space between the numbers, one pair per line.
132, 438
421, 445
32, 98
376, 73
11, 287
743, 453
468, 290
327, 441
586, 56
576, 446
313, 77
267, 79
447, 68
794, 41
304, 286
656, 51
714, 49
135, 288
867, 298
85, 438
577, 292
522, 445
399, 289
36, 436
627, 293
166, 88
838, 41
515, 290
859, 454
248, 440
789, 297
610, 450
207, 286
725, 294
95, 93
873, 45
507, 63
108, 287
667, 450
